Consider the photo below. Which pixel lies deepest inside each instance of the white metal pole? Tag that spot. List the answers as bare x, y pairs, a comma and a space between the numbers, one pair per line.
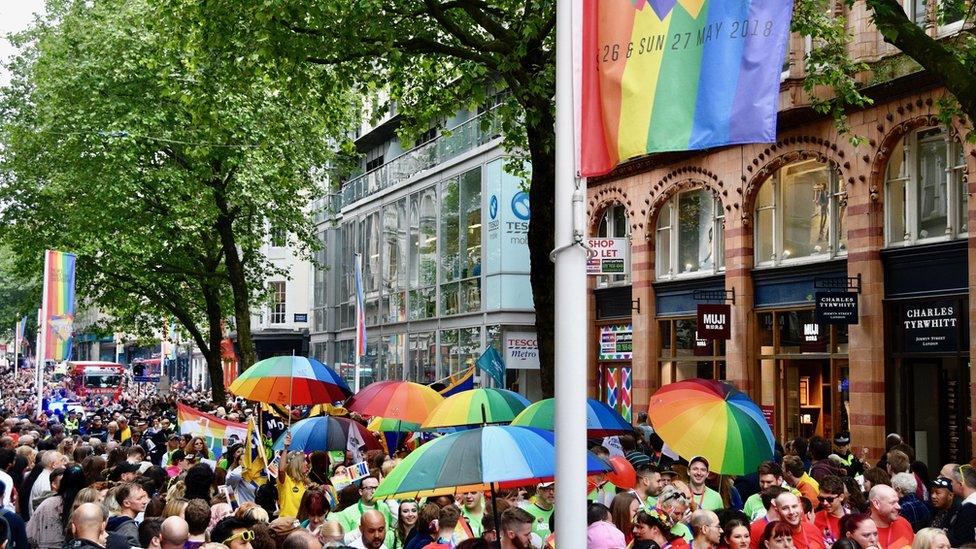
42, 340
359, 326
16, 348
571, 307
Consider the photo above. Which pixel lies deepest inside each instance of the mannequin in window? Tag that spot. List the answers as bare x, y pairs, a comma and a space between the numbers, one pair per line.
822, 201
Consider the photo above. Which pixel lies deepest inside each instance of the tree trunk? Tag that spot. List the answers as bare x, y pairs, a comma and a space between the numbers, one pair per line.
215, 335
238, 281
541, 243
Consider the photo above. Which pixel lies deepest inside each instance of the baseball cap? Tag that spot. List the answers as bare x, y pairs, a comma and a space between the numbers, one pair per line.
667, 471
942, 482
842, 439
698, 458
545, 485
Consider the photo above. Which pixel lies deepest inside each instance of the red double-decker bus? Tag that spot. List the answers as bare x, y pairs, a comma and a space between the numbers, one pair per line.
93, 378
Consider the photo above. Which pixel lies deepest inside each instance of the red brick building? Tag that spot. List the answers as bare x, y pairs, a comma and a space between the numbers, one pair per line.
776, 223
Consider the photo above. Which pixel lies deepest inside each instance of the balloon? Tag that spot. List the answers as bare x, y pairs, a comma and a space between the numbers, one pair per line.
623, 474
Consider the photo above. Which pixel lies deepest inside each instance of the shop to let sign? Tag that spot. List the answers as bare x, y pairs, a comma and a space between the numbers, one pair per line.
616, 342
931, 327
713, 321
836, 307
612, 256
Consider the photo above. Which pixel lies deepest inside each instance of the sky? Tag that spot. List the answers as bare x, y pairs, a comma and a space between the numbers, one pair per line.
15, 15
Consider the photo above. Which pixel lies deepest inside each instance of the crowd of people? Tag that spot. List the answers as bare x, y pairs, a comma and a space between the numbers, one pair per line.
121, 474
814, 494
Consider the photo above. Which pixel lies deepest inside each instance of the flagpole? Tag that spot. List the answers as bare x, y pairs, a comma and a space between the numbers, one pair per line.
360, 328
570, 283
42, 340
16, 348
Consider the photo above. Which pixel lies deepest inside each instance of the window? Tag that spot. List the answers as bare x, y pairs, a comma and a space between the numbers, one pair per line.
690, 235
926, 197
801, 214
423, 254
374, 159
460, 253
683, 355
279, 237
947, 13
613, 224
277, 309
396, 246
428, 135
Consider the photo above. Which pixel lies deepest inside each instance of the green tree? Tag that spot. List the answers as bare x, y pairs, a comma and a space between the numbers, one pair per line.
163, 168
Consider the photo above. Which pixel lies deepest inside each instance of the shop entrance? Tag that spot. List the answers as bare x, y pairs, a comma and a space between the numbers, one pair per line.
814, 397
935, 405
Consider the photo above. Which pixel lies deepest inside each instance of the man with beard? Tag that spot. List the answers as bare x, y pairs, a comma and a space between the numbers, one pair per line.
516, 529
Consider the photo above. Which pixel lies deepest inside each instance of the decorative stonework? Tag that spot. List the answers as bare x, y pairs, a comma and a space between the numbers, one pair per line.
604, 198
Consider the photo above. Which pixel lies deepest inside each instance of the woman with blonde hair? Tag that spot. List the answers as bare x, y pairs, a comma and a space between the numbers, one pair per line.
174, 507
931, 538
330, 534
294, 481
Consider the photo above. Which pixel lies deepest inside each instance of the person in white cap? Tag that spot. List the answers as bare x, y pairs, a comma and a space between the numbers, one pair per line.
540, 506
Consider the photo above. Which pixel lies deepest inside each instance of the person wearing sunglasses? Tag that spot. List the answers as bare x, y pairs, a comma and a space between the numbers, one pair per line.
233, 532
832, 499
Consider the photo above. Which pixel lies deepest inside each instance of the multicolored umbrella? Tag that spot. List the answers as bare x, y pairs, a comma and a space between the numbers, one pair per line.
487, 458
388, 425
403, 400
713, 419
328, 433
476, 407
601, 419
290, 381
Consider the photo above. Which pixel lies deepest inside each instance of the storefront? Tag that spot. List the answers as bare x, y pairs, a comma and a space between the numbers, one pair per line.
803, 363
683, 353
615, 344
927, 339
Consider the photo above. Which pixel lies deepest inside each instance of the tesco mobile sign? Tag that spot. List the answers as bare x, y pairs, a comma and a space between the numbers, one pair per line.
611, 257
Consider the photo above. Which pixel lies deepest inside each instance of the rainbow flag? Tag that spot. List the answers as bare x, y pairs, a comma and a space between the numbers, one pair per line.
21, 332
674, 75
213, 429
58, 304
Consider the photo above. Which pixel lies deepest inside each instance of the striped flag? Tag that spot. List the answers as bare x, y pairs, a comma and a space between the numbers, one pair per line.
255, 461
213, 429
21, 332
58, 305
360, 311
461, 381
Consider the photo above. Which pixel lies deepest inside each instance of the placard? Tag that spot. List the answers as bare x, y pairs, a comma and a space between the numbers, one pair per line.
521, 351
612, 256
301, 317
714, 321
836, 307
616, 342
931, 327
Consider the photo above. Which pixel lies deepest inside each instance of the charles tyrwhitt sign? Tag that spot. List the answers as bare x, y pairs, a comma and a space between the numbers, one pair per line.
931, 327
836, 307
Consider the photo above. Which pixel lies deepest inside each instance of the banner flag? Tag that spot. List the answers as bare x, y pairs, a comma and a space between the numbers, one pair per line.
59, 304
254, 460
360, 311
213, 429
492, 364
461, 381
22, 331
676, 75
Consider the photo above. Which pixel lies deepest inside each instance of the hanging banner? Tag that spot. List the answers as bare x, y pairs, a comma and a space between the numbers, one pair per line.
714, 321
675, 75
612, 256
616, 342
836, 307
59, 304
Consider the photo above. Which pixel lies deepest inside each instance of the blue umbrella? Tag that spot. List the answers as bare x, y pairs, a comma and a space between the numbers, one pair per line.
327, 434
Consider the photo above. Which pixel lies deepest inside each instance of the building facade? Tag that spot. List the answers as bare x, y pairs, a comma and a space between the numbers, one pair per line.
440, 229
766, 227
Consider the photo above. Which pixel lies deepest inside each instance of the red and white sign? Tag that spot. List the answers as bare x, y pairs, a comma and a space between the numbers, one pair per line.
521, 351
612, 256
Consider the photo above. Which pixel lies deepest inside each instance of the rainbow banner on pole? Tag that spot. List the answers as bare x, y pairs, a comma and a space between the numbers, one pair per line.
213, 429
674, 75
59, 304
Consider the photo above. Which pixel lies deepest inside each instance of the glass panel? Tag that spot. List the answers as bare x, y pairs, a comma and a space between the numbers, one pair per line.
806, 209
764, 231
449, 299
469, 343
422, 303
799, 333
685, 330
470, 243
414, 243
391, 246
663, 242
959, 182
449, 354
695, 237
398, 307
619, 221
916, 10
931, 192
449, 230
395, 347
896, 199
471, 295
428, 237
422, 359
840, 204
664, 327
951, 11
720, 240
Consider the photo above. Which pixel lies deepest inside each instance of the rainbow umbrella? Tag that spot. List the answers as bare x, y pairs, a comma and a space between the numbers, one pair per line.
601, 419
290, 381
486, 458
327, 434
389, 425
713, 419
404, 400
476, 407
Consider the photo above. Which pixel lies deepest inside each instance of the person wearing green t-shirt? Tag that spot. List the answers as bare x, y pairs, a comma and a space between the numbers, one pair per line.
770, 474
540, 506
472, 511
350, 516
702, 496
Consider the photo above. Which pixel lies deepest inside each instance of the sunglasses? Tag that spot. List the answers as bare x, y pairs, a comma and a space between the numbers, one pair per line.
245, 535
827, 499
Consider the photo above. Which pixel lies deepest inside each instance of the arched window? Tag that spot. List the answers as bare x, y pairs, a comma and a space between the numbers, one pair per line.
801, 215
613, 224
690, 235
926, 199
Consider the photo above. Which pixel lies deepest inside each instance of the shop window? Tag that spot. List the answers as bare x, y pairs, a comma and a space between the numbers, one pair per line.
395, 246
459, 350
422, 359
690, 235
613, 224
460, 252
926, 198
423, 254
683, 355
801, 215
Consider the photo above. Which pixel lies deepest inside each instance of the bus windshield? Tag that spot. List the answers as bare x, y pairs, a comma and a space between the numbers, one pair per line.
103, 381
